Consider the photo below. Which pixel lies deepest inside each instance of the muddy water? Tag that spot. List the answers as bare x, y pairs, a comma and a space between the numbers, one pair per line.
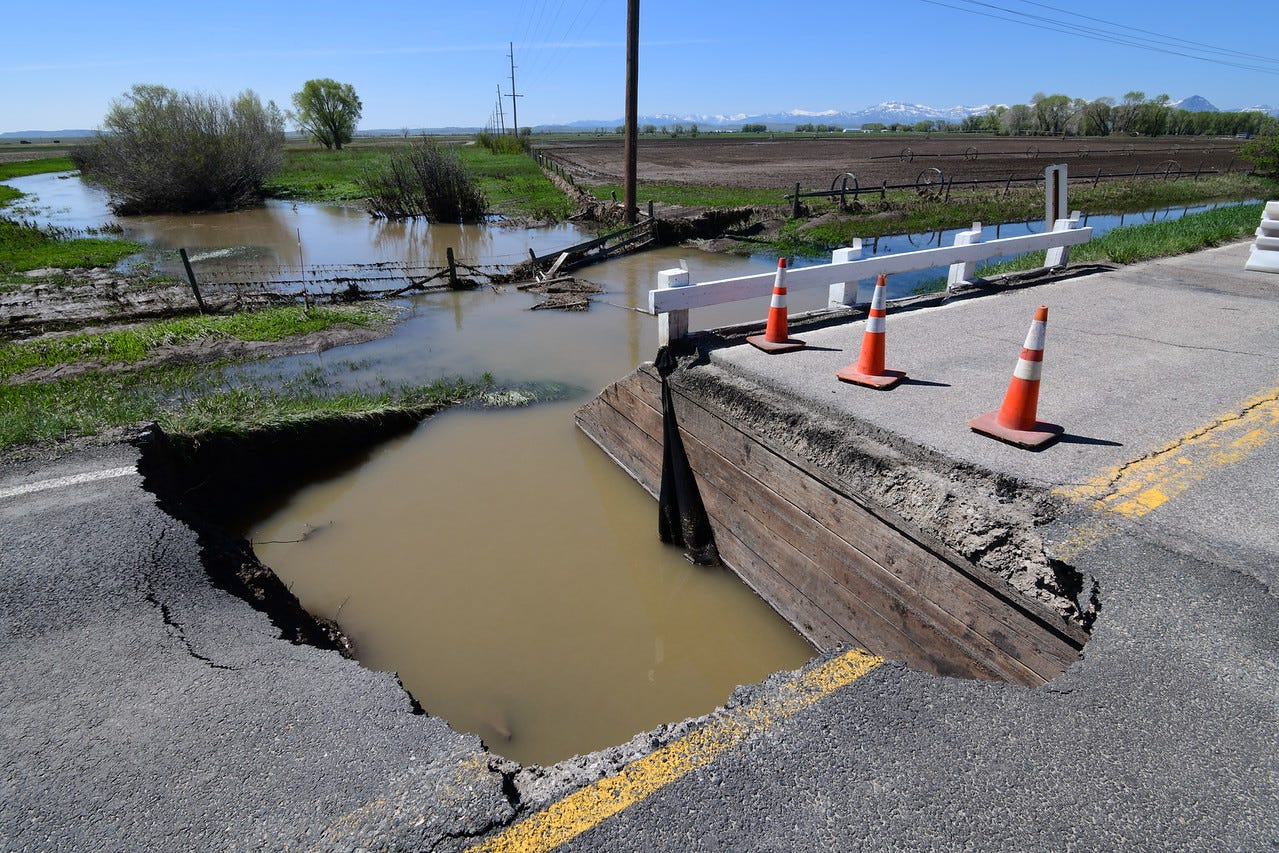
499, 563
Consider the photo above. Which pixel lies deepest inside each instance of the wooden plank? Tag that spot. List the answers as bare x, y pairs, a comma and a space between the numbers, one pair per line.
760, 286
990, 609
639, 453
887, 615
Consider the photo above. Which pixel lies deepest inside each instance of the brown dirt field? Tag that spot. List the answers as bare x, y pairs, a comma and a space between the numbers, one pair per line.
722, 160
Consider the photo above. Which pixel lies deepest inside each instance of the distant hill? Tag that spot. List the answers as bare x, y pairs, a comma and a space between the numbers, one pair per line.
44, 134
887, 112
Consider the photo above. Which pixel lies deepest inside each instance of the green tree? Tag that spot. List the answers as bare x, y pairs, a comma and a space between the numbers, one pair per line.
327, 111
166, 151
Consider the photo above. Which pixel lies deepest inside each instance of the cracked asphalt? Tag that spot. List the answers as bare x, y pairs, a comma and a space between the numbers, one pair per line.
144, 708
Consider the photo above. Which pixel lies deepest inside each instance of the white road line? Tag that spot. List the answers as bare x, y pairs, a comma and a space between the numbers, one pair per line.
72, 480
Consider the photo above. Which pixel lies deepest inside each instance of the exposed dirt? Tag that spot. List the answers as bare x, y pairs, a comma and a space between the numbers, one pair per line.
817, 162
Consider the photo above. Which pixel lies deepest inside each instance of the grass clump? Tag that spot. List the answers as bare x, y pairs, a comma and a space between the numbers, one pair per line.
25, 246
23, 168
135, 344
426, 180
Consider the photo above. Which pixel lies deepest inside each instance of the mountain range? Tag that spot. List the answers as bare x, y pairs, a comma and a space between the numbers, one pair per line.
887, 112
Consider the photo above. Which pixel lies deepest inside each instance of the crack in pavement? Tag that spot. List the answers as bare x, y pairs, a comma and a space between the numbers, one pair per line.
174, 627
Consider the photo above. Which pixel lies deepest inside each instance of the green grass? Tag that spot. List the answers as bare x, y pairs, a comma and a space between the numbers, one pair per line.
185, 399
1133, 243
131, 345
513, 183
696, 196
24, 247
22, 168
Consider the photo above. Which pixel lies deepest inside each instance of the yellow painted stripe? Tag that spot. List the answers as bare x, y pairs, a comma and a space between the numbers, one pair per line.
590, 806
1143, 485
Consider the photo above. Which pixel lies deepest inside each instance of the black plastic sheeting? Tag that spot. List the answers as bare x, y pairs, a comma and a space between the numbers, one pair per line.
681, 515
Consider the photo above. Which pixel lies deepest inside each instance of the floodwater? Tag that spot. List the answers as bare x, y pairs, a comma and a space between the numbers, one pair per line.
495, 559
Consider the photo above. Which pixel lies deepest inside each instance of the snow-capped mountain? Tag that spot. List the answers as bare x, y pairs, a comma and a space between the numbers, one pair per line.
1262, 108
888, 112
1195, 104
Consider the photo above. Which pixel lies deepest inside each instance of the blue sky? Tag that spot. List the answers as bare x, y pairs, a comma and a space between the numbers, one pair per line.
427, 64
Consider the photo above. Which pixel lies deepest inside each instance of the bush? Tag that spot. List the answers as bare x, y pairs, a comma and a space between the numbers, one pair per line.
426, 180
1263, 153
504, 143
165, 151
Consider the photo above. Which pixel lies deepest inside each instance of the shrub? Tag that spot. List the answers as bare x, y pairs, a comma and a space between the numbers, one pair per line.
1263, 153
504, 143
166, 151
426, 180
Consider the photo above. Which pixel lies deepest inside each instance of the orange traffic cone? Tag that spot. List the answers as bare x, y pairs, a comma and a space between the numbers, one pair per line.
776, 338
869, 369
1015, 421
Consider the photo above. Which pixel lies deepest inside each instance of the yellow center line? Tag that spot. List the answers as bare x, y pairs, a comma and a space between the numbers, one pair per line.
584, 809
1143, 485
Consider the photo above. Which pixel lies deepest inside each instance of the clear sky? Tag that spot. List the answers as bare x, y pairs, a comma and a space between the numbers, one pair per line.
430, 64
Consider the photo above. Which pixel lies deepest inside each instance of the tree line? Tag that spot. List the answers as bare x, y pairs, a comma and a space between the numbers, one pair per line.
1134, 115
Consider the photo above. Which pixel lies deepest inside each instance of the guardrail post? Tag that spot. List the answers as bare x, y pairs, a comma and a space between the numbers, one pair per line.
844, 294
1060, 255
673, 326
963, 272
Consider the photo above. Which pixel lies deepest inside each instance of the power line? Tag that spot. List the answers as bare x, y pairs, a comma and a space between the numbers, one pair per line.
1091, 33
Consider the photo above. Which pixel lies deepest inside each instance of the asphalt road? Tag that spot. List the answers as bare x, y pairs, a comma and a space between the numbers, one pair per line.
143, 708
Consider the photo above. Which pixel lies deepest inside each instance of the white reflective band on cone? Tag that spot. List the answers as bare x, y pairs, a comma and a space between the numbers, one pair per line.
1028, 370
875, 324
1035, 337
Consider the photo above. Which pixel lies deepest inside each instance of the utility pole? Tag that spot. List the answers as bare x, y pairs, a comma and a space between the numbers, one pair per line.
501, 115
629, 155
515, 115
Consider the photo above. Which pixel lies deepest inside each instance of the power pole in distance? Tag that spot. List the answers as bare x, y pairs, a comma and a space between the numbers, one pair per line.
515, 115
629, 154
501, 115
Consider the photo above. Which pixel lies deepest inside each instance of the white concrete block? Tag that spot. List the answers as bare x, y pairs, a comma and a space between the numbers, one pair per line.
1264, 242
1263, 261
1272, 210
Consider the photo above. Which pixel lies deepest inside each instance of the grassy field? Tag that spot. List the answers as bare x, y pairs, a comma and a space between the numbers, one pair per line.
513, 183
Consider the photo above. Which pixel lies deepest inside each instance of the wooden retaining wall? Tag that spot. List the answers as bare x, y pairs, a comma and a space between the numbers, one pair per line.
837, 569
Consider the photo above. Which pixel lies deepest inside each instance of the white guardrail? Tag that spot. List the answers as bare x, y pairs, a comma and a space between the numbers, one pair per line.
675, 294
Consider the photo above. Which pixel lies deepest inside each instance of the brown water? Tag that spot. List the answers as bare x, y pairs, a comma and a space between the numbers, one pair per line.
496, 559
508, 571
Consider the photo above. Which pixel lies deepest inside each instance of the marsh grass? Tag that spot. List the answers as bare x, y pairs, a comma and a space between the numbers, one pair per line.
136, 343
25, 246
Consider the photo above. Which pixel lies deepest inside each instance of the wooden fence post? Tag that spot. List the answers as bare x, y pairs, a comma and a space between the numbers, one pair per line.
448, 253
195, 288
672, 327
795, 205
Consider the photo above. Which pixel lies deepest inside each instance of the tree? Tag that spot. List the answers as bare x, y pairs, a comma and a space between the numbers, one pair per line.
166, 151
327, 111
